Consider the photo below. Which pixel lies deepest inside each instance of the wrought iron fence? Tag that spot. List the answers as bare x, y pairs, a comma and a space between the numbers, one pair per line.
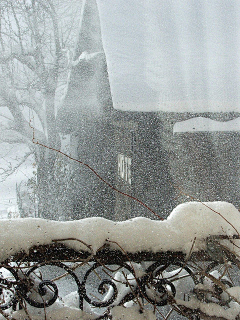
172, 284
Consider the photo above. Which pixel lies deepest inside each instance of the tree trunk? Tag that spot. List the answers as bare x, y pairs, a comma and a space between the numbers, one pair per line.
47, 188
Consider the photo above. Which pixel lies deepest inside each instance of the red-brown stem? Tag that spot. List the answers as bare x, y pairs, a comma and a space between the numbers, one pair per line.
195, 199
99, 177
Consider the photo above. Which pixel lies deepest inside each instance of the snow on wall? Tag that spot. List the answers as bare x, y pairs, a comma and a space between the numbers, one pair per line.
70, 313
201, 124
174, 56
213, 309
188, 221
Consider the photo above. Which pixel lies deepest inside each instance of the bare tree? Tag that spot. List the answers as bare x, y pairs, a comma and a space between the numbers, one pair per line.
36, 41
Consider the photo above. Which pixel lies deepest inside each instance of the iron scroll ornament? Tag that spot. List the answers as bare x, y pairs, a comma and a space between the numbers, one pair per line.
43, 285
152, 279
105, 285
162, 283
146, 277
25, 284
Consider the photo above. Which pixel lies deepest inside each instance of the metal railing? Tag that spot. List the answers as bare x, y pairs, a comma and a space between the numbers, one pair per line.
168, 282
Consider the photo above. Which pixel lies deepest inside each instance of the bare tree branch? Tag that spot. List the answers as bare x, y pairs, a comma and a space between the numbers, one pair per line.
23, 58
18, 27
7, 172
33, 68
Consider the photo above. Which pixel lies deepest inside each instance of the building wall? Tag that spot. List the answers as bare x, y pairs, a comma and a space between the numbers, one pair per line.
168, 169
138, 138
203, 165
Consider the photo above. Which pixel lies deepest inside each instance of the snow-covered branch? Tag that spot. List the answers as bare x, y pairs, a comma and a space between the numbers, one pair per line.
6, 172
25, 58
86, 56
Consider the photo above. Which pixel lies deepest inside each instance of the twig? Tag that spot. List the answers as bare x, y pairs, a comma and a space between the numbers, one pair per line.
204, 204
95, 172
134, 273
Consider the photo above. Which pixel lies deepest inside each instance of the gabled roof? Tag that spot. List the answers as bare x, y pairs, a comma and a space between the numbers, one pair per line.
178, 56
174, 56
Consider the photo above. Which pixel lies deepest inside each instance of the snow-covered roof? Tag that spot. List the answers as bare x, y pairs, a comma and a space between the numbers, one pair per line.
178, 56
